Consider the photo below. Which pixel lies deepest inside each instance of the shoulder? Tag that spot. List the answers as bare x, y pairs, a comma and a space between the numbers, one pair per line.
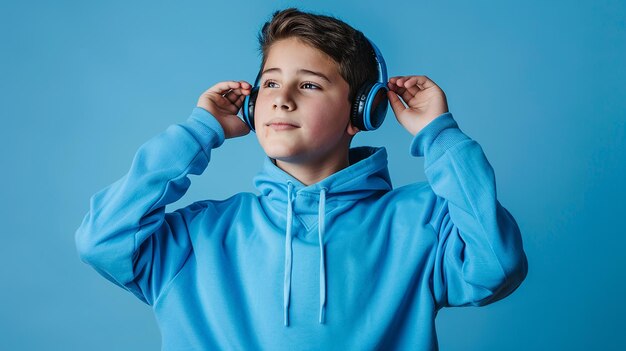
412, 202
210, 206
415, 192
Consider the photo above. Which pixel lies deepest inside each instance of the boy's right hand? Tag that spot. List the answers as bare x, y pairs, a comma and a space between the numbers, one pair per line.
223, 101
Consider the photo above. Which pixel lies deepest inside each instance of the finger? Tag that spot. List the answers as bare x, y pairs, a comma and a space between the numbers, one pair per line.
396, 104
397, 89
400, 81
403, 89
223, 87
240, 100
406, 94
232, 95
410, 86
225, 94
393, 80
228, 106
235, 95
235, 107
236, 92
422, 82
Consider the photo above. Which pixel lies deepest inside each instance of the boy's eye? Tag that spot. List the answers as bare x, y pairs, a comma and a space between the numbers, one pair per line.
309, 85
305, 85
269, 84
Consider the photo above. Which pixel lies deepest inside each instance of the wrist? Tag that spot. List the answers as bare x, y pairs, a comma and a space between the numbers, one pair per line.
205, 127
437, 137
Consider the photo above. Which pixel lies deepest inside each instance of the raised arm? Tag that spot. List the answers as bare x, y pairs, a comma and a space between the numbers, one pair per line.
479, 257
126, 235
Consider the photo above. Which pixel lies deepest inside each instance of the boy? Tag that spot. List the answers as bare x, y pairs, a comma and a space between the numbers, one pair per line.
328, 256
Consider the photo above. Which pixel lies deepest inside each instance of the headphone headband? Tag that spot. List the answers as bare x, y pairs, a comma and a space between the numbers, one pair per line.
382, 66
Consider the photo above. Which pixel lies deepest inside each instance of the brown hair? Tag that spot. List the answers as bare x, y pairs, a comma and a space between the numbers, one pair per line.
348, 47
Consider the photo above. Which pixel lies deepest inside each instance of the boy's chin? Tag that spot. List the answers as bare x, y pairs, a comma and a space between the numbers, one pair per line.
280, 153
286, 157
282, 158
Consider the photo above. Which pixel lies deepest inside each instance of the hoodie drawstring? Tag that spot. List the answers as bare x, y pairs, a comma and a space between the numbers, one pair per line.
321, 226
288, 255
287, 283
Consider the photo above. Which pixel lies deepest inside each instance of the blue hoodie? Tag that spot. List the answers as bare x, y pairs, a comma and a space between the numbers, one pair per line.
348, 263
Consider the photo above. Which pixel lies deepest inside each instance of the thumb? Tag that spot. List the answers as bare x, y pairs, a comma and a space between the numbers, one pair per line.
396, 104
234, 127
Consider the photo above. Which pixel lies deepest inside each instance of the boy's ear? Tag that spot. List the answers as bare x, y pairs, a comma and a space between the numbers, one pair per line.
351, 129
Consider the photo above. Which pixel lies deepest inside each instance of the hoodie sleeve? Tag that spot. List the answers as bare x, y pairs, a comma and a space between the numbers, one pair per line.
479, 254
126, 235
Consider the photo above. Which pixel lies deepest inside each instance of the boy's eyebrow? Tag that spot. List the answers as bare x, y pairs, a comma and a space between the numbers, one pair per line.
300, 71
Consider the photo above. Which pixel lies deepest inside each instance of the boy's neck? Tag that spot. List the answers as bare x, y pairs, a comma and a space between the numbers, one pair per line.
313, 172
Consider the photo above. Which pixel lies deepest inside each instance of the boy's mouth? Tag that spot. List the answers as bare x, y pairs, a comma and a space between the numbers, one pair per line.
281, 124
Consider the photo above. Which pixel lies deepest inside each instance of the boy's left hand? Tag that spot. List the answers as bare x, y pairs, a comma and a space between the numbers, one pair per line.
425, 100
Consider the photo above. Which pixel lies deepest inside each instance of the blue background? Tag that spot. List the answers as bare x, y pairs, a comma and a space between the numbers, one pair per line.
541, 85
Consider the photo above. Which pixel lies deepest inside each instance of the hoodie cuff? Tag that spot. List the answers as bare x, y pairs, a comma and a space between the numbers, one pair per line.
204, 128
436, 138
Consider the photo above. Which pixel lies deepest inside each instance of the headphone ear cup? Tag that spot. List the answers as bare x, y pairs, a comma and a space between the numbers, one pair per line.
358, 107
369, 107
376, 106
248, 107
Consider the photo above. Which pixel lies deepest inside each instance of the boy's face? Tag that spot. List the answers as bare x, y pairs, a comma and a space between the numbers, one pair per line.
302, 109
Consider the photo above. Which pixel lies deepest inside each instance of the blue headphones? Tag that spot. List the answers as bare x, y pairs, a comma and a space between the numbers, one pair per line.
369, 107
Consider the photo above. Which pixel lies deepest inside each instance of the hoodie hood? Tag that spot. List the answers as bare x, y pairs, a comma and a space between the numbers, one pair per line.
366, 175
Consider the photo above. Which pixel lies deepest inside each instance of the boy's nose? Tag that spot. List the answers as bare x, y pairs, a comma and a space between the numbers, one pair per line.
284, 106
283, 102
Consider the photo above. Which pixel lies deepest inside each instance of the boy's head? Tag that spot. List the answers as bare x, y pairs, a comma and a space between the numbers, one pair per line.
312, 67
348, 47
